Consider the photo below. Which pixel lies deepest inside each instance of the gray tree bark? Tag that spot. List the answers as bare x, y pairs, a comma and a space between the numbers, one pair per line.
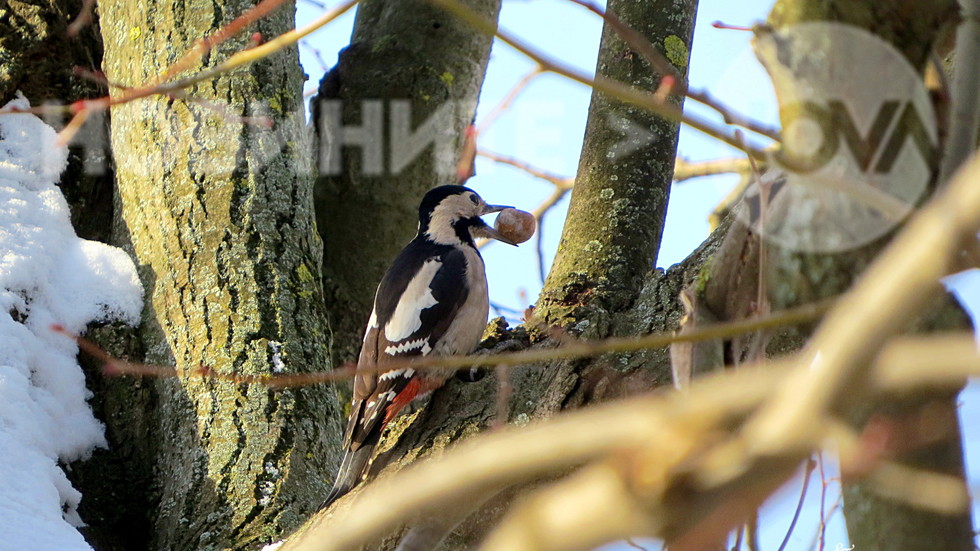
616, 216
218, 216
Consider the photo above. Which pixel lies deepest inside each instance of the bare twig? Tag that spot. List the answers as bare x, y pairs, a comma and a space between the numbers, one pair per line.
823, 500
662, 65
317, 54
686, 170
612, 88
807, 472
508, 100
557, 180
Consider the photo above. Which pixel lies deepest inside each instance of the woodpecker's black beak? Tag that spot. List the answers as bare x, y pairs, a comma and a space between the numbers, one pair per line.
491, 233
488, 209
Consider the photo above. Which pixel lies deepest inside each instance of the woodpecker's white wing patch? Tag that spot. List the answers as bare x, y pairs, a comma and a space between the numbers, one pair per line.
409, 346
397, 373
407, 318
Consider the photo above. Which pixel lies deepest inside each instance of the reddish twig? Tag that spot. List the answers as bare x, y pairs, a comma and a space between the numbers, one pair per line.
508, 100
83, 19
673, 82
466, 166
204, 45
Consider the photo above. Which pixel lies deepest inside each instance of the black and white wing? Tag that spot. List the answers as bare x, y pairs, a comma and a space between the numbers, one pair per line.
416, 302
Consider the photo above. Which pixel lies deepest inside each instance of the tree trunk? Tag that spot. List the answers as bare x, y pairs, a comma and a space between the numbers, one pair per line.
795, 277
616, 215
218, 215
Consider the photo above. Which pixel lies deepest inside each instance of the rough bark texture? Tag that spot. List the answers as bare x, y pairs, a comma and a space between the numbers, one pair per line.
616, 216
218, 215
406, 57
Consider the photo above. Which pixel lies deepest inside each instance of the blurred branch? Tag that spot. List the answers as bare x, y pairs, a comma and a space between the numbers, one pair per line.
686, 170
671, 430
896, 285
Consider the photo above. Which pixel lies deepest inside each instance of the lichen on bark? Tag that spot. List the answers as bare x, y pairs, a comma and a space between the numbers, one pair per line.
616, 216
218, 215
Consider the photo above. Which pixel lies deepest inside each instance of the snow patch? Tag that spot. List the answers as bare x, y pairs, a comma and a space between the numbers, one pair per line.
47, 275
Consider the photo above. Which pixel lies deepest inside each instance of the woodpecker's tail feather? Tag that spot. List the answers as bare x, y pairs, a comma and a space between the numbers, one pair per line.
352, 469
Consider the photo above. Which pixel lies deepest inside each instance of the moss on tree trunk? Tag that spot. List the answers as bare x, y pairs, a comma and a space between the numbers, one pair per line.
616, 216
218, 216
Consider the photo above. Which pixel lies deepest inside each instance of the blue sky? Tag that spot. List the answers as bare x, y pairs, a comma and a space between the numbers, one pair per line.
545, 128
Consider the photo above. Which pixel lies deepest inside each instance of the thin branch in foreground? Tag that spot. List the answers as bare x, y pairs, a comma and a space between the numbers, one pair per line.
570, 349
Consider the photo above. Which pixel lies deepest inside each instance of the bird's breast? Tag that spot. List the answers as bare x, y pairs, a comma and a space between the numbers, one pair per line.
467, 328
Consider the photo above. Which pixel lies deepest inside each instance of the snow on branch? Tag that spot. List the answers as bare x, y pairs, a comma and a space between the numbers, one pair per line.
47, 275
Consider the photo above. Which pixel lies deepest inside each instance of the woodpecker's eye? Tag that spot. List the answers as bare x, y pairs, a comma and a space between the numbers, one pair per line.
474, 199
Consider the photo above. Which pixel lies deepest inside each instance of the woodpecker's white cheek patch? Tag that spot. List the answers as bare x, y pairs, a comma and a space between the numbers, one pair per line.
407, 318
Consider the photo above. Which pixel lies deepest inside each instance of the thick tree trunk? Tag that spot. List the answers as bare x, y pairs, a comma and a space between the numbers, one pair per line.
218, 215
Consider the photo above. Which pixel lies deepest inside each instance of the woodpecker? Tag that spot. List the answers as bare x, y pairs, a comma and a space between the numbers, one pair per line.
432, 301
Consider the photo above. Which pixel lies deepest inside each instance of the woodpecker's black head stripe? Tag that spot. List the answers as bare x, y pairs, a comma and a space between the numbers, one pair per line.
432, 199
